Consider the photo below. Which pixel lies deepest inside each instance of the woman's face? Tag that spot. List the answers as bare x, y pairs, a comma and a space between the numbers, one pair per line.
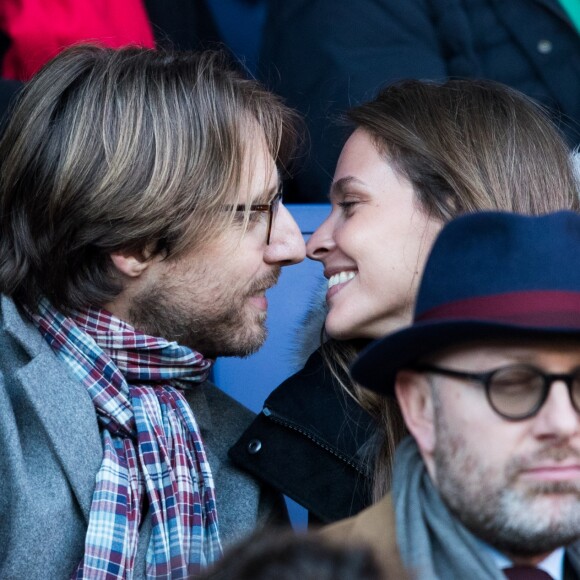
373, 245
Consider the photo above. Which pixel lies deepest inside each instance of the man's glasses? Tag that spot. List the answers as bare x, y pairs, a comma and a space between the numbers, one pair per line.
515, 392
271, 208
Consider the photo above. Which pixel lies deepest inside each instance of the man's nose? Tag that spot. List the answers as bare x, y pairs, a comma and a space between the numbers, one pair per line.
321, 241
557, 418
286, 242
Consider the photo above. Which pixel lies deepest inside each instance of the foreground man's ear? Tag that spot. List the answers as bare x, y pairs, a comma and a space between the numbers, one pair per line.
416, 401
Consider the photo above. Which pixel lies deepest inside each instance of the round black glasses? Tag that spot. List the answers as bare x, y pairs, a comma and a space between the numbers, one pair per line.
515, 392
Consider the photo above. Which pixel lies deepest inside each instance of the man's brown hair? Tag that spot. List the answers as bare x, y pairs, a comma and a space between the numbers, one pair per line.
131, 149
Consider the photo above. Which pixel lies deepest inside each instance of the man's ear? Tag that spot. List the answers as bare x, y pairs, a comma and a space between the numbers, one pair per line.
130, 263
416, 401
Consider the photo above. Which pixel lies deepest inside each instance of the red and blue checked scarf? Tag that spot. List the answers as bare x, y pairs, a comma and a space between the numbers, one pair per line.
151, 446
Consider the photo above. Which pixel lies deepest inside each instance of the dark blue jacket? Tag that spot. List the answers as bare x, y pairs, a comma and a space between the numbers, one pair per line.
326, 55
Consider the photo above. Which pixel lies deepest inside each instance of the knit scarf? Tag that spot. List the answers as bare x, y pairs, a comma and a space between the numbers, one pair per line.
153, 454
432, 542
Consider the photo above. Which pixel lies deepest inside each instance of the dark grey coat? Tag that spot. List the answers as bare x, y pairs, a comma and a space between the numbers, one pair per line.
325, 56
50, 452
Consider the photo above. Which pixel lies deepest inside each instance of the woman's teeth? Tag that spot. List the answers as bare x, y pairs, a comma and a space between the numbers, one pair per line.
340, 278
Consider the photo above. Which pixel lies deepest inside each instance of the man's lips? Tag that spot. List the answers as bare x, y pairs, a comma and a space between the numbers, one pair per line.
552, 472
258, 297
260, 301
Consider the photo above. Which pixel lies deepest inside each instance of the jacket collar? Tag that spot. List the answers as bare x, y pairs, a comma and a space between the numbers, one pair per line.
19, 328
374, 527
311, 402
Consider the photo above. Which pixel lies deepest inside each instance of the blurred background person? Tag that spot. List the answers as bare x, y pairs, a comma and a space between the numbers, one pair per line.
278, 554
325, 56
33, 31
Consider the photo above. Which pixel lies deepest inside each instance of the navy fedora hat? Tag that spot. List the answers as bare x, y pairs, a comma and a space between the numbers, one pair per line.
489, 275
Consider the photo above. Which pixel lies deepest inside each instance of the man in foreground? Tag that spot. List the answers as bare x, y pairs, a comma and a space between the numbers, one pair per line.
141, 224
488, 381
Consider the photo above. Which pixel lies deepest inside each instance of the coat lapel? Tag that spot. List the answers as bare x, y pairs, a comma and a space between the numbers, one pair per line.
375, 526
197, 400
62, 405
572, 562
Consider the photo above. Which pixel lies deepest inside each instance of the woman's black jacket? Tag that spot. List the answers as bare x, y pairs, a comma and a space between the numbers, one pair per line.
311, 442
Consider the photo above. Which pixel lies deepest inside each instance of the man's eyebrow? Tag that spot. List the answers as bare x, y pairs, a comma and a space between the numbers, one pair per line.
266, 196
340, 186
270, 194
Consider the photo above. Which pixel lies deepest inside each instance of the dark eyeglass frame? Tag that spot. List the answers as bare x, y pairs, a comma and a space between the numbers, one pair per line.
486, 379
271, 207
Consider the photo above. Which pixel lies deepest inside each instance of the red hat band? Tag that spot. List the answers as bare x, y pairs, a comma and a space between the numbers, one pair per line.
531, 308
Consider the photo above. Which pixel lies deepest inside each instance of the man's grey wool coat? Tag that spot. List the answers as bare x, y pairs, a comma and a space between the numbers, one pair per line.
50, 452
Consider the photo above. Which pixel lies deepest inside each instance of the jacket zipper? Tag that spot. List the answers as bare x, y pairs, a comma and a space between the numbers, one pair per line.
276, 418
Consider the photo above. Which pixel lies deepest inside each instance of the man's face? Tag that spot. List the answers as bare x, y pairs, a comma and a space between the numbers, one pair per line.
515, 484
212, 298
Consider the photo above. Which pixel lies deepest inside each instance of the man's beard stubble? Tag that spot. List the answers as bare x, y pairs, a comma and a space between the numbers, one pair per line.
515, 520
218, 325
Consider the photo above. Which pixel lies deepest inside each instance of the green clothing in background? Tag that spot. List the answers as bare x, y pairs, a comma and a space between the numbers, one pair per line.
572, 8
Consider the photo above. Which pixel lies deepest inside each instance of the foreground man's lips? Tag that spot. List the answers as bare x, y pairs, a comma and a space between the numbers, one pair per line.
553, 472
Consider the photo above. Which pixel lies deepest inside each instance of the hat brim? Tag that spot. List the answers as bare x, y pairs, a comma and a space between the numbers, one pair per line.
377, 365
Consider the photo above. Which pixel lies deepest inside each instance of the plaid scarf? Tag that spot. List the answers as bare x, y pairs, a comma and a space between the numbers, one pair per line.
151, 446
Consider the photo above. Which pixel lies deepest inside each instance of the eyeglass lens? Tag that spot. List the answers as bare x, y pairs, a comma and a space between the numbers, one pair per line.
519, 391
